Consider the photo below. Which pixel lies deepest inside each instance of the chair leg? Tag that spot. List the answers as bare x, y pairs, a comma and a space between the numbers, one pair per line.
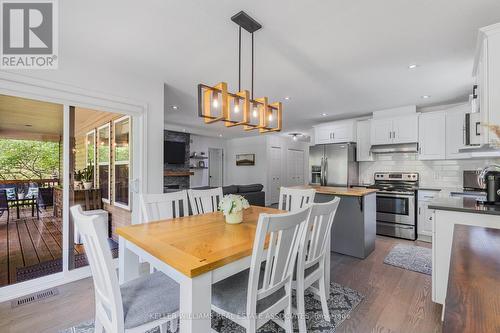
251, 326
98, 326
323, 296
163, 328
288, 317
174, 325
301, 307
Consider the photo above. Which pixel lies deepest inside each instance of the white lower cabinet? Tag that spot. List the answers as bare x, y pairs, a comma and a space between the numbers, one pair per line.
425, 215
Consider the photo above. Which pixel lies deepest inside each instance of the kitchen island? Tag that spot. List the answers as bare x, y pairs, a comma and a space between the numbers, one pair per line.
354, 228
446, 213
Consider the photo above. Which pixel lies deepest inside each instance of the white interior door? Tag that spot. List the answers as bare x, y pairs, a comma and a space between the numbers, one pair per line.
275, 174
215, 165
299, 160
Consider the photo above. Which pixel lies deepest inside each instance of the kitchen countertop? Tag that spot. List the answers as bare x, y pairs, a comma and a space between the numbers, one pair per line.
473, 295
467, 205
342, 191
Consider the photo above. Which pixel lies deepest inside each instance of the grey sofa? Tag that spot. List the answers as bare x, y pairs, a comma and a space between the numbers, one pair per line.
252, 192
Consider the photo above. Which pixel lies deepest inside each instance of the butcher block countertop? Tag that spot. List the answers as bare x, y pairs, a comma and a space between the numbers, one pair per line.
342, 191
473, 296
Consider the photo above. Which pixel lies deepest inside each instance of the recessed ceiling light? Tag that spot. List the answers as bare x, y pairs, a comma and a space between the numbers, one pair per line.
426, 96
175, 107
324, 114
287, 98
412, 66
220, 135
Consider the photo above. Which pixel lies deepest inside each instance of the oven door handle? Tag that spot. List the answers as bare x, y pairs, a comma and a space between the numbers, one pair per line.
399, 226
389, 195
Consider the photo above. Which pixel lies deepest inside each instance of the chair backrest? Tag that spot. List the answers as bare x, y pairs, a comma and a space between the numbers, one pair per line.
46, 196
285, 231
205, 201
164, 206
314, 243
4, 204
108, 299
293, 199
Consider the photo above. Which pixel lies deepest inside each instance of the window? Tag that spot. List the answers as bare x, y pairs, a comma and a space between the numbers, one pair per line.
103, 160
90, 151
121, 149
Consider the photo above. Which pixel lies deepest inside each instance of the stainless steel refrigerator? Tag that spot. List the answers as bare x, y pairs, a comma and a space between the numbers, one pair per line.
333, 165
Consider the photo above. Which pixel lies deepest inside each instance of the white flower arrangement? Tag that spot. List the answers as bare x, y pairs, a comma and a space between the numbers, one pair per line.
233, 203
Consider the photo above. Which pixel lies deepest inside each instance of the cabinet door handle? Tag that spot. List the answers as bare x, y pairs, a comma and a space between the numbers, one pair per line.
419, 209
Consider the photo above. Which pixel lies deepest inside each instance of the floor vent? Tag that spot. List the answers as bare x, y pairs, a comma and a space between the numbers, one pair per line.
35, 297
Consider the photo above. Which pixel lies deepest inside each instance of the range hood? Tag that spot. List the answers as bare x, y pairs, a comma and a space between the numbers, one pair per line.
481, 150
395, 148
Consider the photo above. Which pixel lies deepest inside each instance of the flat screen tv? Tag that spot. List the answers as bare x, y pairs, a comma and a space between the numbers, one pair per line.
174, 152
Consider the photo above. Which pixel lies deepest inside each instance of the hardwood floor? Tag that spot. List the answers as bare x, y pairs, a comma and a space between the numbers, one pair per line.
396, 300
28, 241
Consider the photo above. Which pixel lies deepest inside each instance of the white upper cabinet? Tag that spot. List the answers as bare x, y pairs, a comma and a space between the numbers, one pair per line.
405, 129
381, 131
455, 132
363, 144
336, 132
432, 136
391, 130
487, 77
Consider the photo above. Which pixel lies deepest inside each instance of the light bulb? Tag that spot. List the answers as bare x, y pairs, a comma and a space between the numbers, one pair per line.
236, 108
294, 138
215, 103
270, 117
255, 113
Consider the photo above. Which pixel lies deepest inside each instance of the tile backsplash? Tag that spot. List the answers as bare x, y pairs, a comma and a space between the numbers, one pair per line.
439, 174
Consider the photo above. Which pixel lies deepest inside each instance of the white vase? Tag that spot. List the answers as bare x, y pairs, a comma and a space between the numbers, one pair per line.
234, 218
87, 185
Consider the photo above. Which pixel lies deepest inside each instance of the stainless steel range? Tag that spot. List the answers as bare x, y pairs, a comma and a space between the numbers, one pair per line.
396, 204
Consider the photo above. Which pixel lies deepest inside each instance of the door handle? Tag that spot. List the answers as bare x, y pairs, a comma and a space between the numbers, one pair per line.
477, 128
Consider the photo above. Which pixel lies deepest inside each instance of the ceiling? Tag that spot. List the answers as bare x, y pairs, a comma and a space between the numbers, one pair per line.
22, 118
340, 58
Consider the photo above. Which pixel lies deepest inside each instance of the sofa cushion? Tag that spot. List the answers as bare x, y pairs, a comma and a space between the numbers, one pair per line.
250, 188
230, 189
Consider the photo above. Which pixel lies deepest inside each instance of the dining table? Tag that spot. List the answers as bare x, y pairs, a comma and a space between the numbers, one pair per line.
196, 251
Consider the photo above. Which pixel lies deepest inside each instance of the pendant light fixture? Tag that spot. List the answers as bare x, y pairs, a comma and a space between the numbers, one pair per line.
216, 103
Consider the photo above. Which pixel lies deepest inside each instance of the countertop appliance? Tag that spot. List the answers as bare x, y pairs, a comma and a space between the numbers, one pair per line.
397, 204
333, 165
471, 181
490, 177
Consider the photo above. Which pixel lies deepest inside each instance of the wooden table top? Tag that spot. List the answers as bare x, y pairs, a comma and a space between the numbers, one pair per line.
197, 244
342, 191
473, 295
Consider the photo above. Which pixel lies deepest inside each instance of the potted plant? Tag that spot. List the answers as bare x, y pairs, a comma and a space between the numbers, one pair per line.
88, 177
232, 206
77, 179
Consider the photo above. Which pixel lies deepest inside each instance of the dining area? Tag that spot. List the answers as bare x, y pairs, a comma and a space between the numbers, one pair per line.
204, 262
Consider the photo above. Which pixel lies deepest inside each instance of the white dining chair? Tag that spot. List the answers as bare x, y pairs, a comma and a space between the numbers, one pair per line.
256, 295
163, 206
204, 201
292, 199
136, 306
311, 258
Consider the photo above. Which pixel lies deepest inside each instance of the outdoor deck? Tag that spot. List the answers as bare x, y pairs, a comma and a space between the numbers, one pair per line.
26, 243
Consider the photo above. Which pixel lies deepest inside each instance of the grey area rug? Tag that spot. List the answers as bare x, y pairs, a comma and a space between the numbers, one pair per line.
410, 257
342, 301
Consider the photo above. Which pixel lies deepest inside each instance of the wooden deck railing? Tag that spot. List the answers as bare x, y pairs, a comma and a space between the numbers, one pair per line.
41, 182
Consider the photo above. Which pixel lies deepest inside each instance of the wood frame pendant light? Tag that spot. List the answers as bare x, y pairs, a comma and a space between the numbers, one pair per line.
214, 102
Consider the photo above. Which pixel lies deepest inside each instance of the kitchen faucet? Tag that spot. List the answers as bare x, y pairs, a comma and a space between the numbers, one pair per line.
482, 175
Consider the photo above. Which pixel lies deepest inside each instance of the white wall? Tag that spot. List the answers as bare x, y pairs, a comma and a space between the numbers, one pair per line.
439, 174
200, 144
246, 174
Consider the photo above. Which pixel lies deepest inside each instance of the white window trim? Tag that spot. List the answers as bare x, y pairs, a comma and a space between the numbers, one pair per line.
93, 132
23, 86
118, 204
107, 125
